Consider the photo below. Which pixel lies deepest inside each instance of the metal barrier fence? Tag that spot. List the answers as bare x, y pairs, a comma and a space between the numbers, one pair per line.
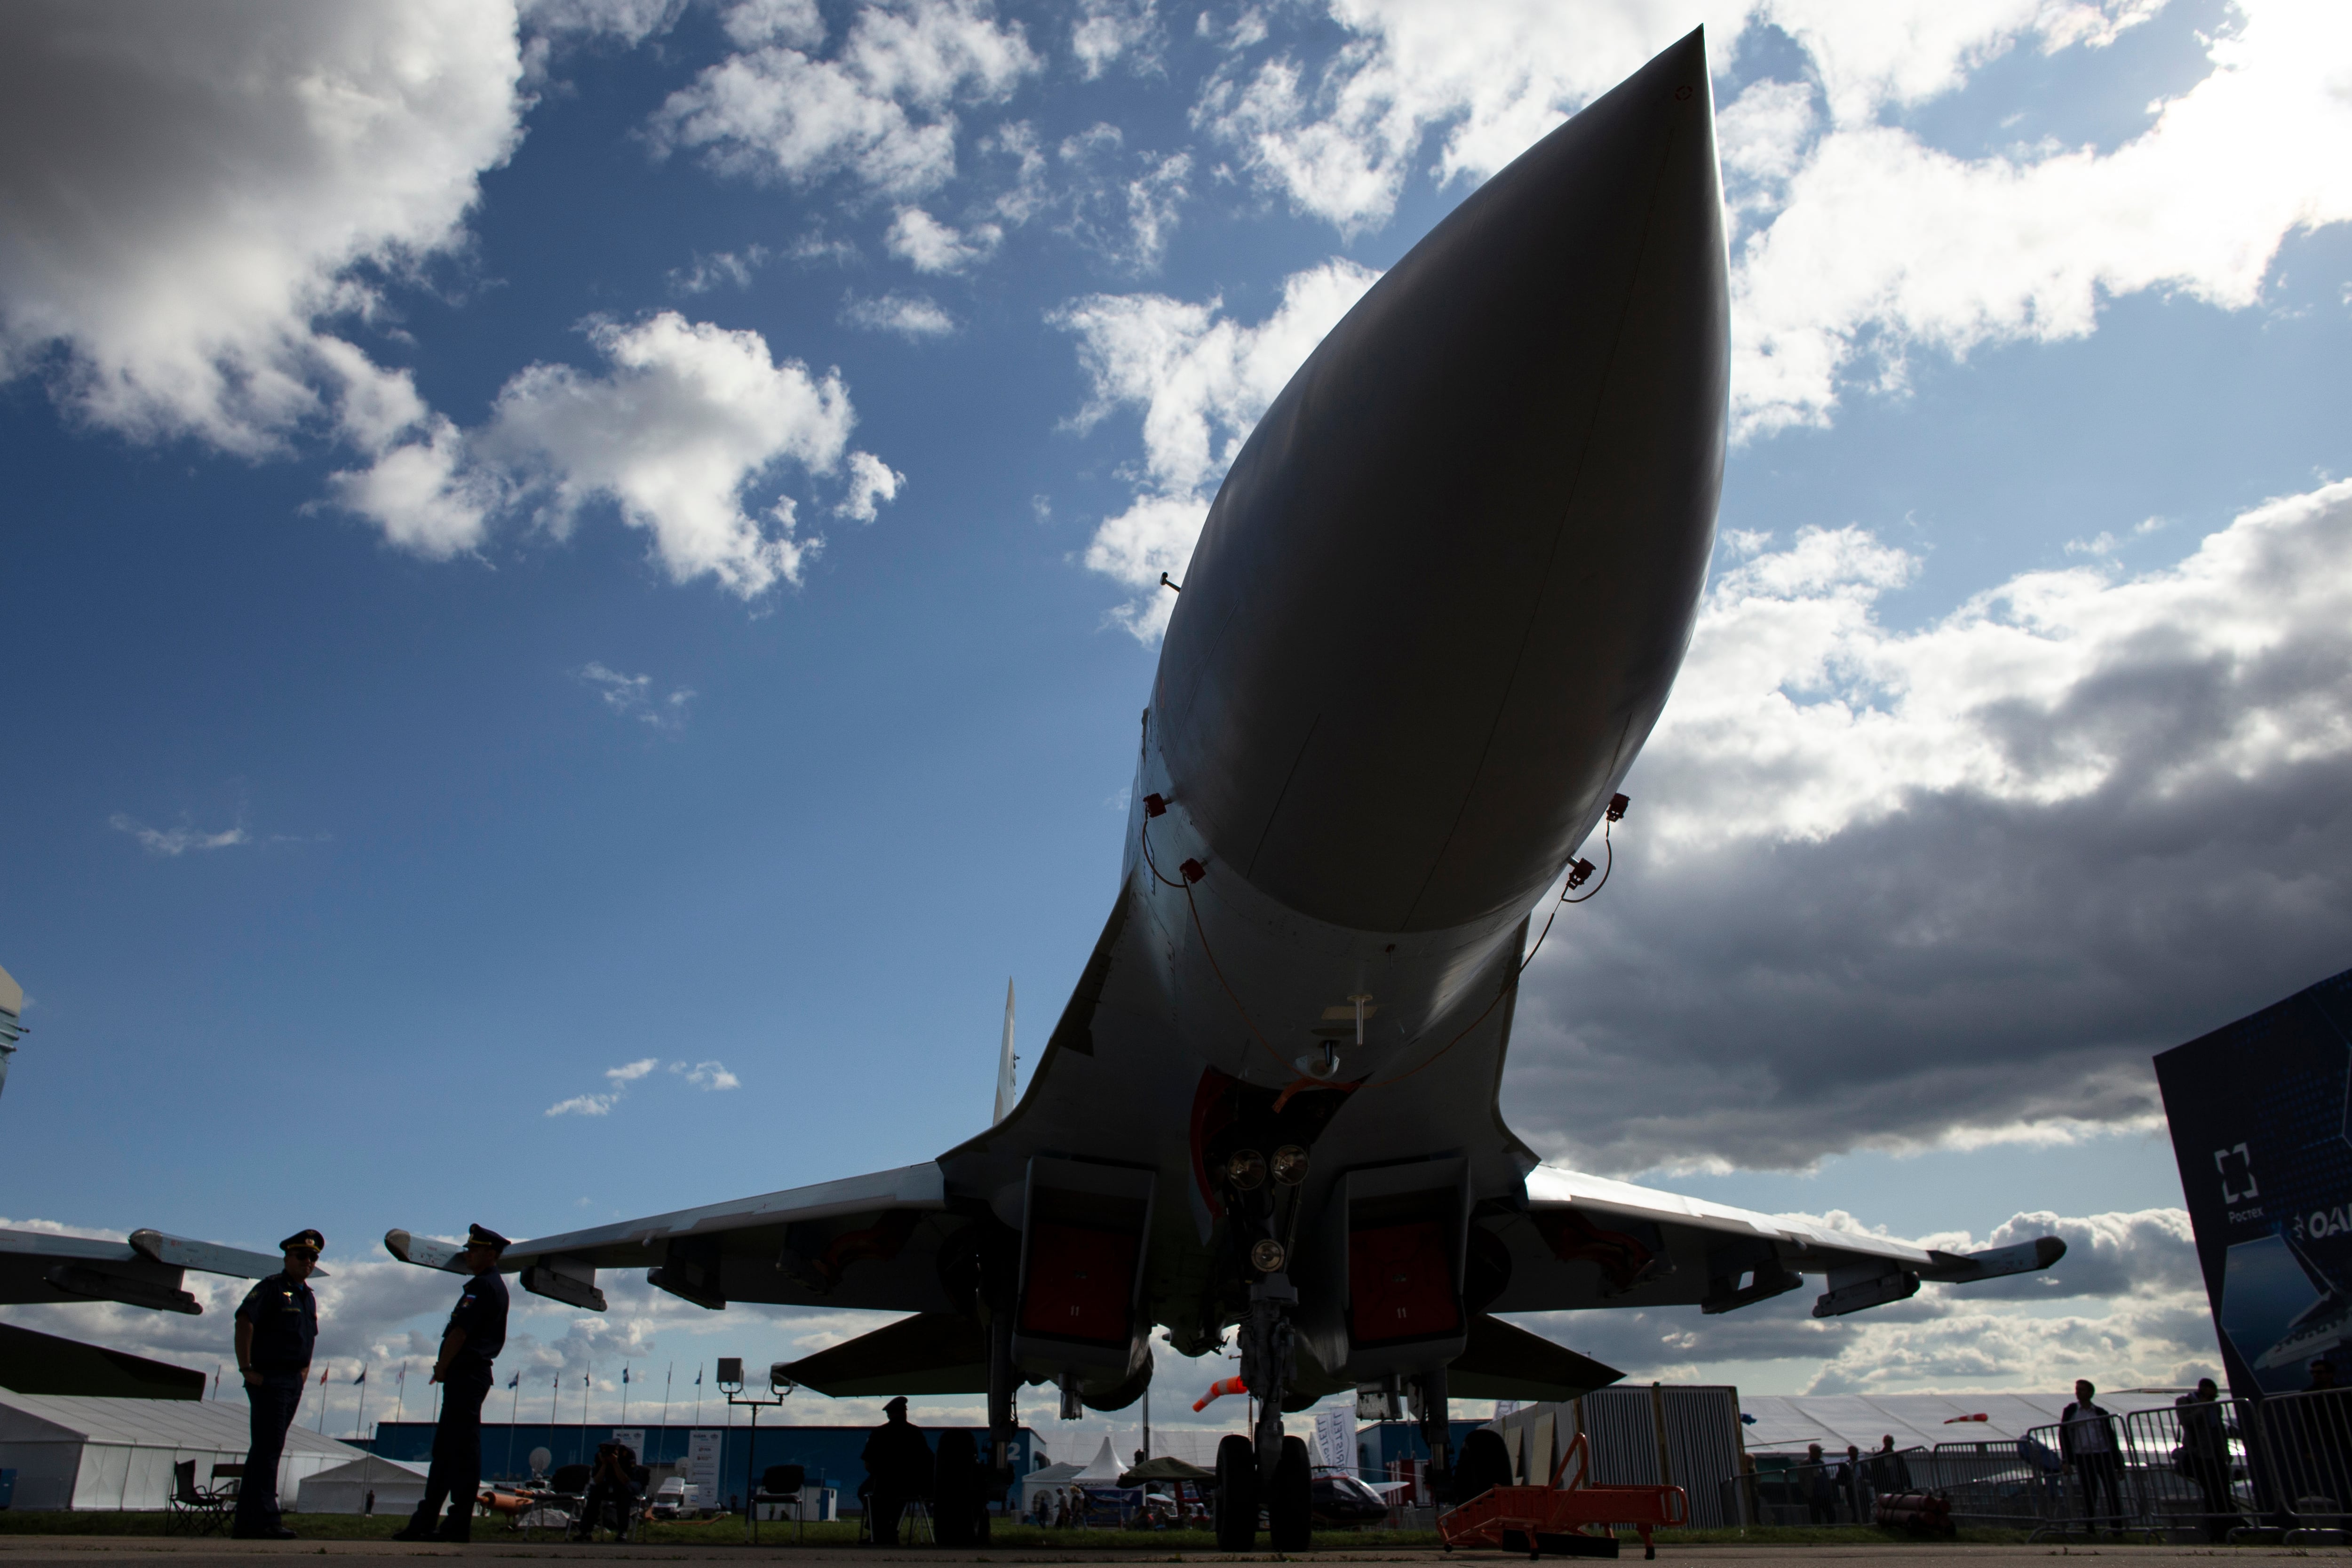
1986, 1483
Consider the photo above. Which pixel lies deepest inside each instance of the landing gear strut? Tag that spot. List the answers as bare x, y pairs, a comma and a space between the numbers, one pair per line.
1437, 1431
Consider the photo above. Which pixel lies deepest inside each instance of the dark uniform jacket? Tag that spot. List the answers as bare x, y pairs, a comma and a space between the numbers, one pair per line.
285, 1319
898, 1460
481, 1311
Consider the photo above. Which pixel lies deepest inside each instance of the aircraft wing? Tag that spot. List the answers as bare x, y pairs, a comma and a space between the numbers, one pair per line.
1587, 1241
143, 1271
872, 1241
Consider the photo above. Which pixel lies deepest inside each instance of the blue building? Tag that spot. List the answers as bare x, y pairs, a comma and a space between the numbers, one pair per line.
1383, 1441
829, 1453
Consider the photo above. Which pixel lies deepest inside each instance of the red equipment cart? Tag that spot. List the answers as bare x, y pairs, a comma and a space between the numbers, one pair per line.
1570, 1520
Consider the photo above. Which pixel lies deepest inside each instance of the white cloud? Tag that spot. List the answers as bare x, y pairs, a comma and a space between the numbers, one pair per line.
1891, 888
1862, 241
1106, 31
1340, 142
726, 266
930, 245
1126, 219
585, 1105
630, 21
629, 1072
1201, 379
688, 417
1885, 243
708, 1077
185, 193
879, 112
177, 841
911, 316
872, 481
633, 696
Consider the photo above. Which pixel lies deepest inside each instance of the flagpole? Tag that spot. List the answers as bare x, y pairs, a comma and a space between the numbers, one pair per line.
667, 1378
514, 1406
625, 1393
697, 1394
400, 1392
587, 1393
360, 1428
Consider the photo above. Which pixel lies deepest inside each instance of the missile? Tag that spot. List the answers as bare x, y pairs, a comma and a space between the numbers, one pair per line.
1440, 597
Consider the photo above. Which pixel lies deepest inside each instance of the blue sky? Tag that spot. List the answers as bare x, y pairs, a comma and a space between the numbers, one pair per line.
601, 558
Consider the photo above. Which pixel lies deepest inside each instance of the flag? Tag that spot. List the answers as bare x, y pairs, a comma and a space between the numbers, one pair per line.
698, 1377
587, 1380
624, 1375
322, 1376
516, 1381
362, 1377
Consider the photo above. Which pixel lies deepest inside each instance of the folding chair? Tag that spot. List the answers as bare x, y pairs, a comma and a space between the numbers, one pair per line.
191, 1507
782, 1484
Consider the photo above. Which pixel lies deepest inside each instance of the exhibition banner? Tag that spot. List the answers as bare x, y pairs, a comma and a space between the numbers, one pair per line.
2261, 1126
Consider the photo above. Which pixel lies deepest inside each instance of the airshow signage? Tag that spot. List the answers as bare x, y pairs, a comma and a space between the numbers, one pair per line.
2262, 1125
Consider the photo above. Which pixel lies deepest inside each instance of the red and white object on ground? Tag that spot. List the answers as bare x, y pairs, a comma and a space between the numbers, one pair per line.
1577, 1520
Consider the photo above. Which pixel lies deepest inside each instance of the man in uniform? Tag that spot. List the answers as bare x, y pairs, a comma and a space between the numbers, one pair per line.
898, 1470
277, 1324
477, 1333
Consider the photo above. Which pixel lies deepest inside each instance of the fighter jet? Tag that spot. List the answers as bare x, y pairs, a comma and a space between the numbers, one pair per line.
1434, 614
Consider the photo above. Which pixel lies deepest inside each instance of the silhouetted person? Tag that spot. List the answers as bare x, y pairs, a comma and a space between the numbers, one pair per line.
277, 1324
2205, 1458
611, 1484
1821, 1488
477, 1333
1890, 1472
2086, 1438
898, 1470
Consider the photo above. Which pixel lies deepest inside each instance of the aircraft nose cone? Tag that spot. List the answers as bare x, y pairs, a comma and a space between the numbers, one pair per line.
1445, 590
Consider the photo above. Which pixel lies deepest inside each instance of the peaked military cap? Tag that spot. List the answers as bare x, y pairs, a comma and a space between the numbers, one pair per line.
895, 1402
483, 1235
308, 1241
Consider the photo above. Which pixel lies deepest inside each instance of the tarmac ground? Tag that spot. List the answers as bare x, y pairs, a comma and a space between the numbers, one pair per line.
144, 1552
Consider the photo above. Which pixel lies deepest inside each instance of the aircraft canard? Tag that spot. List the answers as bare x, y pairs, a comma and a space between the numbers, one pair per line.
1435, 609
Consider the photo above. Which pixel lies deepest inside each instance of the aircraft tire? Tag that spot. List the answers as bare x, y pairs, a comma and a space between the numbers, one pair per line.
1290, 1499
1237, 1489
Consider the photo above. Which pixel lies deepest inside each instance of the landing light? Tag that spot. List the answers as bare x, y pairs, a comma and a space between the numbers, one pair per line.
1246, 1168
1266, 1257
1290, 1164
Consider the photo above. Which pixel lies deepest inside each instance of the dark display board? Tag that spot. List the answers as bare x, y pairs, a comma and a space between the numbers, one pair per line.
2262, 1125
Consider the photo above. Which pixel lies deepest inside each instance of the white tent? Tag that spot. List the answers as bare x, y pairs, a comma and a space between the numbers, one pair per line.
81, 1453
1103, 1470
344, 1488
1045, 1478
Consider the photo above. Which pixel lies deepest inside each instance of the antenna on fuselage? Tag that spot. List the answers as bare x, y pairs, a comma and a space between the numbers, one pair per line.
1006, 1062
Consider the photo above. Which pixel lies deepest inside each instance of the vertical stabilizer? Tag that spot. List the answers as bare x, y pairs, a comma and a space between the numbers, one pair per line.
1005, 1062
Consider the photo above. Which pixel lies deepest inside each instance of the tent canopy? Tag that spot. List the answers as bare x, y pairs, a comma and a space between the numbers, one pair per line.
1102, 1470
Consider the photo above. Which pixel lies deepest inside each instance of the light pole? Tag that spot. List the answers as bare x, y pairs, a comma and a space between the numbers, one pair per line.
730, 1383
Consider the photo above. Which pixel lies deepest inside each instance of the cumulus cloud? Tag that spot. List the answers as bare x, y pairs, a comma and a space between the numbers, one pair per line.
1894, 888
1862, 241
927, 245
1123, 207
171, 842
910, 316
188, 190
879, 112
872, 481
1885, 243
1201, 380
687, 418
2134, 1313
